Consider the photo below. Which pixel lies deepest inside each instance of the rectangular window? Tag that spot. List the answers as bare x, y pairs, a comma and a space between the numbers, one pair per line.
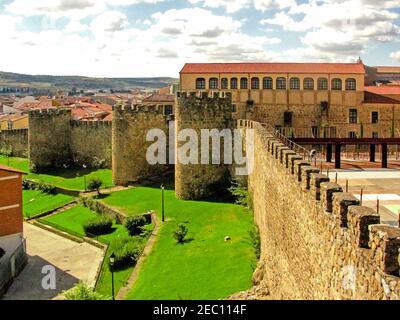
234, 109
9, 125
352, 135
375, 135
353, 116
287, 118
315, 132
168, 110
374, 117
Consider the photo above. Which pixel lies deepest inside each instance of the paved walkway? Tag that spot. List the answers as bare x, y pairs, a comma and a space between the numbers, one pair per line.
72, 261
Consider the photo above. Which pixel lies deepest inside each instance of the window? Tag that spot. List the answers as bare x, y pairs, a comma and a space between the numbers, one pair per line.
224, 83
375, 135
350, 84
234, 109
9, 125
294, 83
281, 83
315, 131
374, 117
308, 84
213, 83
168, 110
243, 83
200, 83
352, 135
234, 83
353, 116
322, 84
255, 83
336, 84
287, 118
267, 83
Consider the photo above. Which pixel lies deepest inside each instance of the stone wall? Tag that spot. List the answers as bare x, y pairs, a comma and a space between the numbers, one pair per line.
316, 241
16, 140
91, 143
129, 145
49, 138
195, 181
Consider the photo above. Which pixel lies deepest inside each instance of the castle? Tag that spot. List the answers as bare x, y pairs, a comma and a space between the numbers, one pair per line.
313, 235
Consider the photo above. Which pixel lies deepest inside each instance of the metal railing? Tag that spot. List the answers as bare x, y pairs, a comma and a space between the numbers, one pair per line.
10, 265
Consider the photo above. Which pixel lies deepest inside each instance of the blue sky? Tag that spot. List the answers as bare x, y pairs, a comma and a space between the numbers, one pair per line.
128, 38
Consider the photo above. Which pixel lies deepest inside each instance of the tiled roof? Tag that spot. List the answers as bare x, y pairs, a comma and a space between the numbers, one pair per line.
387, 69
160, 98
383, 89
370, 97
343, 68
9, 169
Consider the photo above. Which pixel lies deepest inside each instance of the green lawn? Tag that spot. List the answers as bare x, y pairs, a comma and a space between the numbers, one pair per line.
71, 221
36, 202
206, 267
70, 178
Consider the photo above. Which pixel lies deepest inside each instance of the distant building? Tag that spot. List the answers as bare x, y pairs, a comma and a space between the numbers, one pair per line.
14, 121
12, 243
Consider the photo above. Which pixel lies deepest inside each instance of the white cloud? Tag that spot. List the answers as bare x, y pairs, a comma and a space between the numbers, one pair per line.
110, 21
235, 5
395, 55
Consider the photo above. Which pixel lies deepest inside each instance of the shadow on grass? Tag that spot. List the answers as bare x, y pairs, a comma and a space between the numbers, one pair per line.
101, 196
68, 173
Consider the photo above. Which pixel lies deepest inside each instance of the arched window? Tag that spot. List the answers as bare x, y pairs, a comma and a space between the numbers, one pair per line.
255, 83
336, 84
281, 84
213, 83
308, 84
294, 83
267, 83
322, 84
351, 84
243, 83
234, 83
200, 83
224, 83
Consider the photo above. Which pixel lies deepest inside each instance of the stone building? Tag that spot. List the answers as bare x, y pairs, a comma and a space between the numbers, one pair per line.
314, 98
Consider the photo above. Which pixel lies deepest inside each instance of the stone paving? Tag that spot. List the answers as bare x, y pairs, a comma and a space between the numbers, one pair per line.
72, 262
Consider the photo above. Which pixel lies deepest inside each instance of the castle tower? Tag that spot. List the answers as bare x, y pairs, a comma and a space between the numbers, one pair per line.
129, 146
195, 181
49, 138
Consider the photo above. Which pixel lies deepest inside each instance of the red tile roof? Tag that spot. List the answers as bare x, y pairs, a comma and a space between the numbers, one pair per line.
370, 97
388, 69
343, 68
9, 169
160, 98
383, 89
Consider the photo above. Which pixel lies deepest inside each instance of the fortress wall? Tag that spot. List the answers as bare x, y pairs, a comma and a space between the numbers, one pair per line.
16, 141
91, 143
316, 241
129, 145
195, 181
49, 138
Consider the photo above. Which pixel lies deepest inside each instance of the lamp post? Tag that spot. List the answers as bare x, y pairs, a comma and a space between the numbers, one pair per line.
112, 260
162, 203
84, 176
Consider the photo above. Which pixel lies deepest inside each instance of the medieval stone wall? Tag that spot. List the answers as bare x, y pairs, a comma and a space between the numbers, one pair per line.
317, 242
16, 141
49, 138
195, 181
129, 145
91, 143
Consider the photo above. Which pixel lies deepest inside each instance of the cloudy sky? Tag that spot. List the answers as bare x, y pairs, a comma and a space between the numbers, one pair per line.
127, 38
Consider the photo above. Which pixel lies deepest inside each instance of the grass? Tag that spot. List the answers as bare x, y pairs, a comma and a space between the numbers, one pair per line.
70, 178
206, 267
71, 221
35, 202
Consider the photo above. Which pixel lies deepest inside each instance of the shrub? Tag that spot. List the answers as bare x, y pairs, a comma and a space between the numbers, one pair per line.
255, 240
6, 151
126, 251
98, 163
134, 224
180, 233
102, 224
27, 184
46, 188
83, 292
94, 185
241, 194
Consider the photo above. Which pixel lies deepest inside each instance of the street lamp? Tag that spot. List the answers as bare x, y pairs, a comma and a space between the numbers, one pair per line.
162, 202
112, 260
84, 175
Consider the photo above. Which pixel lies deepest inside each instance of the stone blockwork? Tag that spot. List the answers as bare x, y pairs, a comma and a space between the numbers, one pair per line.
56, 140
91, 143
129, 145
15, 141
196, 180
316, 249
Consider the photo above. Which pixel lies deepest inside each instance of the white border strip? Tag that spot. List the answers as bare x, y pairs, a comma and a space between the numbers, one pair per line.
9, 178
9, 207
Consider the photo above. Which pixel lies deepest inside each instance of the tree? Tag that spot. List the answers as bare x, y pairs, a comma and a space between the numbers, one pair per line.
180, 233
95, 184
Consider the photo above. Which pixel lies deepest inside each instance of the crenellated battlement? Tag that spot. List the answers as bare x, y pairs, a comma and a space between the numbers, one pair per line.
309, 223
49, 112
90, 124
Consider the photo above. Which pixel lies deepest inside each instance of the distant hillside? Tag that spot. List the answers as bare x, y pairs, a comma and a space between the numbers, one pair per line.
8, 79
